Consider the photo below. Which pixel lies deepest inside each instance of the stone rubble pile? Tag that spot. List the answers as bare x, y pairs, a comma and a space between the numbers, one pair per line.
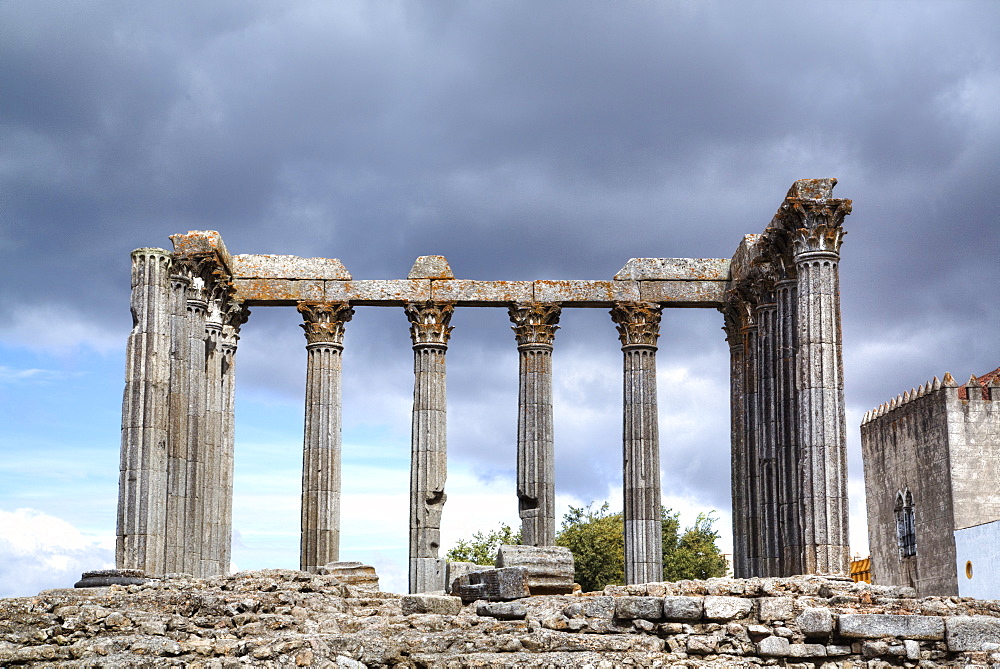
287, 618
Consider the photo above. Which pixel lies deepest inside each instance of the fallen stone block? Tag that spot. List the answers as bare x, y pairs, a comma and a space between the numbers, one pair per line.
644, 608
352, 573
878, 625
550, 568
455, 570
495, 585
683, 608
100, 578
503, 610
971, 633
726, 608
439, 604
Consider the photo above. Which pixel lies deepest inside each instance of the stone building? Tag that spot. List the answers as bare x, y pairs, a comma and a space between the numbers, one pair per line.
779, 295
932, 477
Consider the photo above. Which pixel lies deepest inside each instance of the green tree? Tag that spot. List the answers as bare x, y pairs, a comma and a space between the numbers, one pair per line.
596, 539
482, 548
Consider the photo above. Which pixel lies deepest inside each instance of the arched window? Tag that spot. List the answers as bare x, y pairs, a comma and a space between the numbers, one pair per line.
906, 533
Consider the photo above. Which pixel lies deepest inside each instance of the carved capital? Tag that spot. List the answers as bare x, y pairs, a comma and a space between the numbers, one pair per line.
814, 226
534, 324
638, 323
234, 316
324, 321
429, 322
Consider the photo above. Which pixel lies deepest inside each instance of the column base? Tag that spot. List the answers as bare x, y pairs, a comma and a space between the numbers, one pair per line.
427, 575
104, 577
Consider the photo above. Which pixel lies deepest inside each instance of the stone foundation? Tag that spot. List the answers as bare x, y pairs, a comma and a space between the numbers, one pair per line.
291, 618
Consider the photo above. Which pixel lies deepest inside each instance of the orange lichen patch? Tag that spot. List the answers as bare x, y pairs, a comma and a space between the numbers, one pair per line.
482, 293
984, 381
201, 243
277, 292
392, 292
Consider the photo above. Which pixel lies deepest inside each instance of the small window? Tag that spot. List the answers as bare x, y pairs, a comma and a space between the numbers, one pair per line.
906, 532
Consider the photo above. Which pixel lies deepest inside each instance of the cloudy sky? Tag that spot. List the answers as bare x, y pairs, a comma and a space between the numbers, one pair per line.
522, 140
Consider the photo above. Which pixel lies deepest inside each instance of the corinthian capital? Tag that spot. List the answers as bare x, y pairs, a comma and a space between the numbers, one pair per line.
429, 322
815, 225
534, 324
638, 323
324, 321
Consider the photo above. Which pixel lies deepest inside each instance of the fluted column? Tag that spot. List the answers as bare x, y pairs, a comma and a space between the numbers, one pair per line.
429, 331
638, 327
766, 447
211, 461
235, 316
177, 441
738, 478
143, 479
535, 329
194, 513
786, 434
751, 469
816, 238
321, 479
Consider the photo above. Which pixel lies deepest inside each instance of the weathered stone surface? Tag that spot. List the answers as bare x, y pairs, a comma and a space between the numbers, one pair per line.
806, 650
683, 293
392, 292
815, 621
202, 243
549, 568
493, 585
482, 293
585, 293
683, 608
278, 291
776, 608
455, 570
502, 610
355, 574
430, 267
423, 603
874, 626
727, 608
257, 266
100, 578
644, 608
971, 633
773, 646
674, 269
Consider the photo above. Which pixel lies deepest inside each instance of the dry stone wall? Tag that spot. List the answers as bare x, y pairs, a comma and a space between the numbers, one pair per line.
284, 618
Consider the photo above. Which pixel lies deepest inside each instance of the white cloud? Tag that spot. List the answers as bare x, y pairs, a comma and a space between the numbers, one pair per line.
39, 551
58, 329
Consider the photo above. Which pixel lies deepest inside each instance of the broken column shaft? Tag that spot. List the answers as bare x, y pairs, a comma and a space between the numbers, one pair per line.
535, 328
638, 328
321, 477
429, 331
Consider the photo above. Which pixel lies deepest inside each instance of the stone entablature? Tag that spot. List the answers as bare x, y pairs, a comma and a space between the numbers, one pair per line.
779, 295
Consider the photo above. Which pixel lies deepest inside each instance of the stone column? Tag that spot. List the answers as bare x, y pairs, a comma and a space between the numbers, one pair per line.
638, 327
177, 442
236, 315
816, 238
751, 470
194, 512
321, 482
738, 478
429, 331
142, 489
211, 460
535, 329
786, 434
766, 446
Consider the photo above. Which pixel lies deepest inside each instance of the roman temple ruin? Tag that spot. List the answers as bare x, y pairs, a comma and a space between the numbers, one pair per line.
779, 295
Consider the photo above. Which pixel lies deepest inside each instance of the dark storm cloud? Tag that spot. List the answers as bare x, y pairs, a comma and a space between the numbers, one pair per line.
521, 140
